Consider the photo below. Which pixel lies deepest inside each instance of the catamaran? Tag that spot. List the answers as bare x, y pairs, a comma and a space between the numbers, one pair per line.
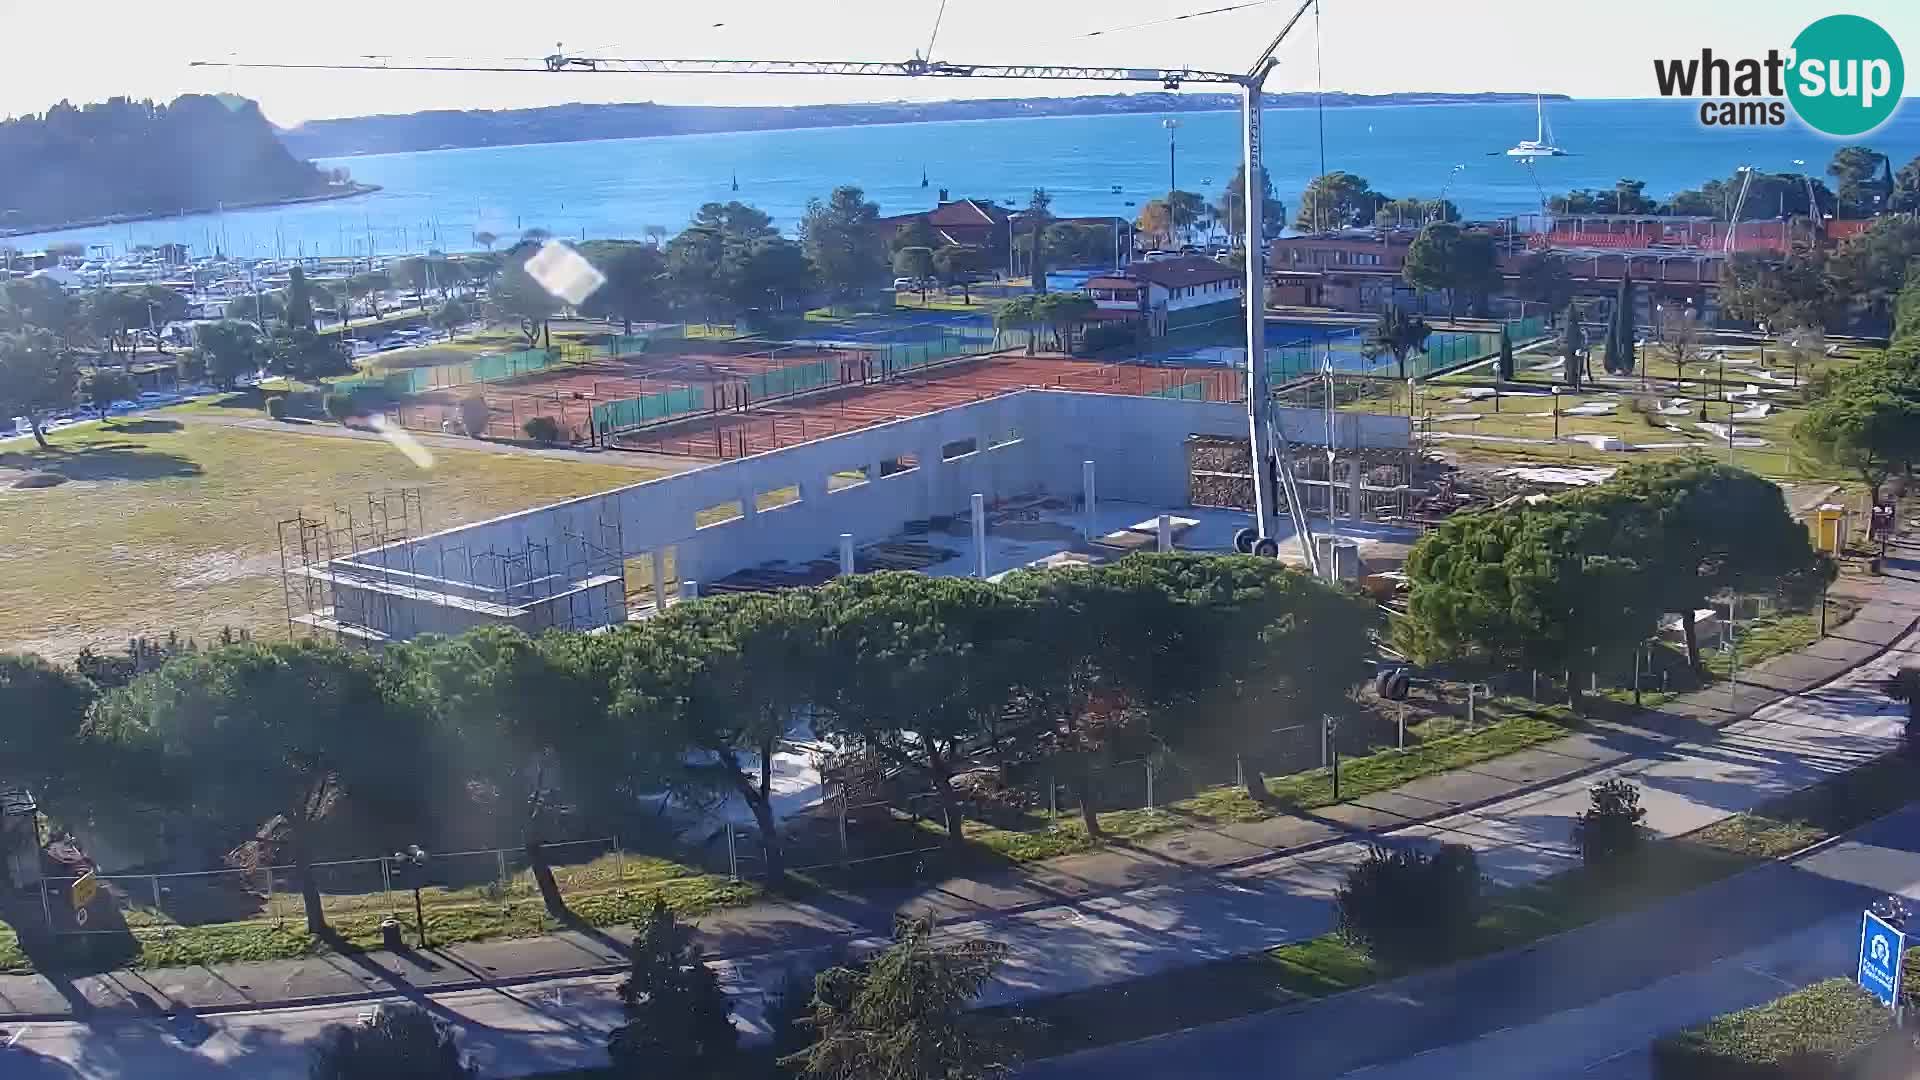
1541, 145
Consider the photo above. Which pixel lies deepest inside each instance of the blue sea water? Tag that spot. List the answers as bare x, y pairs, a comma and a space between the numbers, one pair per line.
619, 187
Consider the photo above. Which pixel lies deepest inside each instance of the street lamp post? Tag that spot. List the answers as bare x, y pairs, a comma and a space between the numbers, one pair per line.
1171, 123
413, 863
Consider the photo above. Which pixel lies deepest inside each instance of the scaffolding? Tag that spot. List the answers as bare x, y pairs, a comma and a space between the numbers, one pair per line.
373, 575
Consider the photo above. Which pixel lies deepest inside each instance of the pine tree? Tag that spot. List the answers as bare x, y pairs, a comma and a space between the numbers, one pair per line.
299, 314
677, 1016
1572, 340
1620, 358
1506, 356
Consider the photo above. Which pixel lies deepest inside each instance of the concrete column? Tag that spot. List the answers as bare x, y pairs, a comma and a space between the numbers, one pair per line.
689, 589
1086, 485
846, 554
1353, 500
1166, 532
660, 579
979, 536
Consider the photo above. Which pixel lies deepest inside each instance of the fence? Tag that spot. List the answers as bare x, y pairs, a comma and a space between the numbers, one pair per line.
487, 368
485, 892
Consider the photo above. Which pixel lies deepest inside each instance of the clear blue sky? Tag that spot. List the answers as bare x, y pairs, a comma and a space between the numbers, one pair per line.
86, 52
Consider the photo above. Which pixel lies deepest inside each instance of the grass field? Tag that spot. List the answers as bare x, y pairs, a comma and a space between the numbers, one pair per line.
168, 522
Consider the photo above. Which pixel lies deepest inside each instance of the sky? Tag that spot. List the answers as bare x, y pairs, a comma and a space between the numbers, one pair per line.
1366, 46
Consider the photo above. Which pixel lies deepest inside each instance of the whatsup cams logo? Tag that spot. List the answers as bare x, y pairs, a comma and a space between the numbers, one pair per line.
1843, 76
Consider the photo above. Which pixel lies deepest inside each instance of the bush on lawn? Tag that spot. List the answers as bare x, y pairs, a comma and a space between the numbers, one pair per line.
542, 429
474, 413
341, 406
1806, 1035
1610, 828
277, 406
1407, 907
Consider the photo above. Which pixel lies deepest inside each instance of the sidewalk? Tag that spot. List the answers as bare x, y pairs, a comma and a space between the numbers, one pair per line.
1175, 899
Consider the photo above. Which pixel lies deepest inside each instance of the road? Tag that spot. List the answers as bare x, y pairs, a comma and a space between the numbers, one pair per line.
1596, 996
1081, 935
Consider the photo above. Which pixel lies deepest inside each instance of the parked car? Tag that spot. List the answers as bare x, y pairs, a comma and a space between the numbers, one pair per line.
122, 407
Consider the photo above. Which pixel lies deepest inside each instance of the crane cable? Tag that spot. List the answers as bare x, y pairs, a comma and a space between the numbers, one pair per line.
931, 38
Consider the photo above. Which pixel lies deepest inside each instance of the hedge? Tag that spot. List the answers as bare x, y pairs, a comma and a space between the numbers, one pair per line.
1807, 1035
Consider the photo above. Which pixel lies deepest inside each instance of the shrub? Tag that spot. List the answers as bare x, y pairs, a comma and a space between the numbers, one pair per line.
1101, 336
1610, 828
1802, 1036
542, 429
1408, 907
340, 406
400, 1041
474, 413
277, 406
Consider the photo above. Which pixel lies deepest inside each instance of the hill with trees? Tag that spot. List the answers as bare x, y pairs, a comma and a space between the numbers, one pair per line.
125, 158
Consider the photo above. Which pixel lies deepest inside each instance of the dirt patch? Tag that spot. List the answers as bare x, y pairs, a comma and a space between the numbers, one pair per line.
215, 567
39, 480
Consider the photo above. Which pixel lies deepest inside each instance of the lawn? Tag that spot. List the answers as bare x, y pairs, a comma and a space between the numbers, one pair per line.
1328, 964
169, 523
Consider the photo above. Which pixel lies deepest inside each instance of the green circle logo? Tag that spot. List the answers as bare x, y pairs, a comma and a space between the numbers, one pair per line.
1846, 76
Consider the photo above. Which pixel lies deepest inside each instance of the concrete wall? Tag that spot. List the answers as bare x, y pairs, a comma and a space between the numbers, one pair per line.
1033, 441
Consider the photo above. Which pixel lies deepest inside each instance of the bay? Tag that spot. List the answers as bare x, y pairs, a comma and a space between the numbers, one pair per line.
619, 187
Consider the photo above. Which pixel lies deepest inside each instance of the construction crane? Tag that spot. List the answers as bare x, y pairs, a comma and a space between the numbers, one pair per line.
1271, 457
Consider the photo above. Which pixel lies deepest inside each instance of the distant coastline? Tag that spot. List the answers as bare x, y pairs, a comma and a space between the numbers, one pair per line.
352, 190
450, 130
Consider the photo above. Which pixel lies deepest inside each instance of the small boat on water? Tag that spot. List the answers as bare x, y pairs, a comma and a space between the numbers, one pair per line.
1541, 145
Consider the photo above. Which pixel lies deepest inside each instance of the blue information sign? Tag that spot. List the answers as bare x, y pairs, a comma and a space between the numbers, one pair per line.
1881, 947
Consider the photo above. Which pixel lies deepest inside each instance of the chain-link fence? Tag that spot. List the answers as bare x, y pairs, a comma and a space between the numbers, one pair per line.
464, 894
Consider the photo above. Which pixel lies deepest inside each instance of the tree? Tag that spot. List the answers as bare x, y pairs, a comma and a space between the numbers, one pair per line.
1558, 586
299, 314
915, 233
452, 315
1503, 369
731, 259
257, 308
915, 263
1906, 307
1019, 313
1573, 344
400, 1042
1337, 200
47, 706
515, 296
739, 671
302, 354
108, 314
906, 1016
1184, 210
475, 414
1156, 220
1903, 686
1232, 206
1867, 420
1541, 277
636, 287
1680, 333
1906, 189
841, 237
271, 739
1415, 212
1037, 217
1609, 829
1868, 270
960, 264
913, 668
1620, 359
1063, 314
1860, 191
39, 302
486, 239
1444, 257
1715, 527
678, 1022
370, 286
1779, 291
37, 376
1396, 334
101, 387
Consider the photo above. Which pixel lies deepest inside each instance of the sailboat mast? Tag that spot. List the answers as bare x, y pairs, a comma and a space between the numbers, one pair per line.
1539, 119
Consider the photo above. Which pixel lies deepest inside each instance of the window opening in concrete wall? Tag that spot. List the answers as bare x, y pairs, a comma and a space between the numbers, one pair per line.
958, 448
1012, 435
718, 514
842, 479
777, 498
893, 466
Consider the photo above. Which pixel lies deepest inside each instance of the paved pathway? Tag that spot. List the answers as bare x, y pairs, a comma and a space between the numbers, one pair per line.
1174, 900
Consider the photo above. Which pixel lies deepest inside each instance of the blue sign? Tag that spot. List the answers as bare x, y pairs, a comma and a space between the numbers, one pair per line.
1881, 947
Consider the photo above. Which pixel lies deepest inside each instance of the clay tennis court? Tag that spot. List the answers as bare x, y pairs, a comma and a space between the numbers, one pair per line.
568, 392
738, 433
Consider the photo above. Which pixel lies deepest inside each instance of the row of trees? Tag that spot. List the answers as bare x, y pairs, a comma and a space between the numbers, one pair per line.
1816, 287
1580, 581
1864, 184
1181, 216
1866, 417
492, 735
1342, 200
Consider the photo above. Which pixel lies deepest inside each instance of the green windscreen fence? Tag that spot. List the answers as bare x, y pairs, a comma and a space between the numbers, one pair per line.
648, 409
1187, 391
496, 367
793, 379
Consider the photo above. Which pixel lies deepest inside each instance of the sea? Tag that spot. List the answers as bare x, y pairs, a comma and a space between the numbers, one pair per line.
1092, 165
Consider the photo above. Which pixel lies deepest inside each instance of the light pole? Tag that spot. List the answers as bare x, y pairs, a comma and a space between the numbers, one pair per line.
1173, 185
413, 863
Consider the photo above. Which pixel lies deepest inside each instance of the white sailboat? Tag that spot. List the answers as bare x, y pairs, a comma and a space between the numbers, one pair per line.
1541, 145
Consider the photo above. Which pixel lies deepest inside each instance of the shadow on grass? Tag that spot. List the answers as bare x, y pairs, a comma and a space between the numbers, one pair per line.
104, 461
144, 426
